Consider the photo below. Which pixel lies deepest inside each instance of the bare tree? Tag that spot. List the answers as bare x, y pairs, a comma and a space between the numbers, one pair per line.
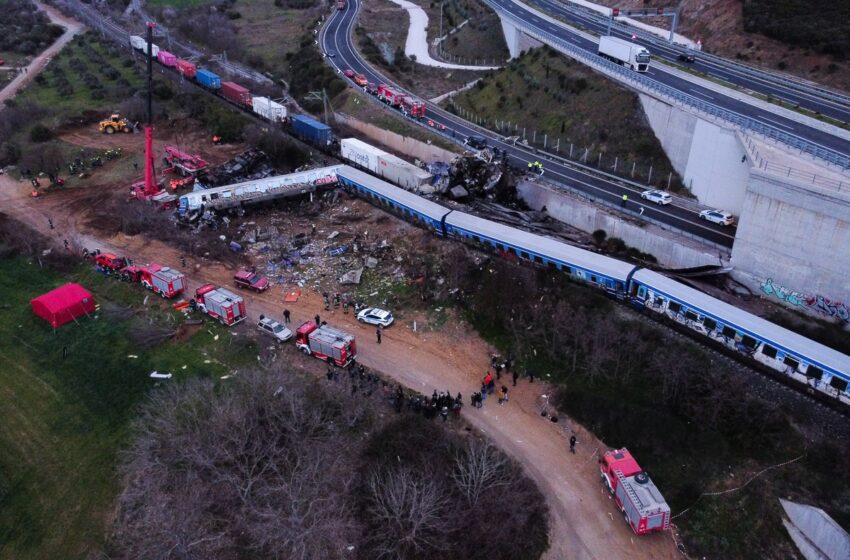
479, 467
408, 514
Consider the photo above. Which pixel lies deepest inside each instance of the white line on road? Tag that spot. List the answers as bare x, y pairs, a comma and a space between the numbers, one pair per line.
777, 123
702, 93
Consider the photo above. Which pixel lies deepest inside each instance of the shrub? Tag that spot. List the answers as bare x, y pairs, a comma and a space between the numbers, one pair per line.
40, 133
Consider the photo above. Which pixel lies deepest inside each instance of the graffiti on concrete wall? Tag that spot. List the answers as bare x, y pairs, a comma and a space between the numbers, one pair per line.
815, 303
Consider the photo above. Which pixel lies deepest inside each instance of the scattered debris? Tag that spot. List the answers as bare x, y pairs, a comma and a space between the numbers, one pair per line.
156, 375
351, 277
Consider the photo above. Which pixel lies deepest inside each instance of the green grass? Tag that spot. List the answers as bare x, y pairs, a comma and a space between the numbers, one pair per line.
47, 94
565, 102
64, 420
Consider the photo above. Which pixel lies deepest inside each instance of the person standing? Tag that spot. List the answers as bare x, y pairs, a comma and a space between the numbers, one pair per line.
515, 376
286, 316
378, 333
573, 444
318, 322
625, 200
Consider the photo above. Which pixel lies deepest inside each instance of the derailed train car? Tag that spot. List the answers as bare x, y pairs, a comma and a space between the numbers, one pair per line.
792, 357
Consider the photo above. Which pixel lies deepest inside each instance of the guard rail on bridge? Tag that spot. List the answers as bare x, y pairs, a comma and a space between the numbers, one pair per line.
656, 89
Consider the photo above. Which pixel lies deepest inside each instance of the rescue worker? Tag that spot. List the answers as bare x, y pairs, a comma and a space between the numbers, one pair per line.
625, 200
286, 317
216, 139
378, 333
573, 444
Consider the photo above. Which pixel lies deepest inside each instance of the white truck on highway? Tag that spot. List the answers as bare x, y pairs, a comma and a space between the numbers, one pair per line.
623, 52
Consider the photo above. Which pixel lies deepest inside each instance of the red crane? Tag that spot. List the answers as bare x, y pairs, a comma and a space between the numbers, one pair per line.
150, 190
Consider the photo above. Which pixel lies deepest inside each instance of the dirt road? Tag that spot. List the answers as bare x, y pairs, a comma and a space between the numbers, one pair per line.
72, 27
584, 524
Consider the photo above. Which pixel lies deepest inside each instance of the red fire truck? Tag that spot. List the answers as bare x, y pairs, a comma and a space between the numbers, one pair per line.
220, 303
161, 280
643, 506
413, 107
326, 343
390, 96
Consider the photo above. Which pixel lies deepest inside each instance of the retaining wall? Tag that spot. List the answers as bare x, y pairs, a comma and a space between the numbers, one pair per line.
402, 144
672, 251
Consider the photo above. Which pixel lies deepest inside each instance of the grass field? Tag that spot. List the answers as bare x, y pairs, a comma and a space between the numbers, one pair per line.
86, 75
63, 421
273, 33
565, 102
481, 38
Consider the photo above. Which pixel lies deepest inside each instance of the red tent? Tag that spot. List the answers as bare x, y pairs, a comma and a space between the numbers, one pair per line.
64, 304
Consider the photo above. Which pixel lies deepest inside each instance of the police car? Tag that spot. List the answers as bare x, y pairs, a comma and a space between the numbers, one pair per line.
375, 316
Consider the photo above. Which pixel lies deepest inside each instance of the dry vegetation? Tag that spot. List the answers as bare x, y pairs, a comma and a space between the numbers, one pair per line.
698, 423
274, 466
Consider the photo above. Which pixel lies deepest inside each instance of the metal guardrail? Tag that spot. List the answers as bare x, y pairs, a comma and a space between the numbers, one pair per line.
778, 79
657, 89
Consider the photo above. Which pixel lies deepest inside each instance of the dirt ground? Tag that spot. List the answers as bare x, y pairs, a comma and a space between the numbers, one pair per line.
584, 521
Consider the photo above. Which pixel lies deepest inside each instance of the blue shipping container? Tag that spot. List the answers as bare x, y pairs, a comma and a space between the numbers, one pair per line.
208, 79
315, 132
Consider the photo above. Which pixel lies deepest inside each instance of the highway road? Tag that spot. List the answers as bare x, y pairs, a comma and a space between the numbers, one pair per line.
753, 79
657, 72
336, 39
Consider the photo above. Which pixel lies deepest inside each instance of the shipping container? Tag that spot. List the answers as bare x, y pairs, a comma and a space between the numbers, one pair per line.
265, 107
236, 93
361, 154
166, 58
186, 68
403, 174
311, 130
140, 44
208, 79
137, 42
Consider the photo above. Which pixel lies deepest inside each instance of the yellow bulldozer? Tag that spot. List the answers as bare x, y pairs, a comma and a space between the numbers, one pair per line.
116, 123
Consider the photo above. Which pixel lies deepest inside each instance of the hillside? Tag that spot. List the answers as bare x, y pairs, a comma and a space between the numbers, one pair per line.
807, 38
568, 104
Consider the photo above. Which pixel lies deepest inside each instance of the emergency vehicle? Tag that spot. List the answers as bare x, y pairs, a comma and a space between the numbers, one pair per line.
220, 303
643, 506
161, 280
326, 343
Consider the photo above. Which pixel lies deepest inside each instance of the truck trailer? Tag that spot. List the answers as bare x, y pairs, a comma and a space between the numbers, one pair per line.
623, 52
220, 303
643, 506
326, 343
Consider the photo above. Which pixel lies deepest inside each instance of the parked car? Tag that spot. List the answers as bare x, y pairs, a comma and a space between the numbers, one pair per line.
349, 73
658, 197
331, 54
718, 217
251, 279
273, 328
687, 57
375, 316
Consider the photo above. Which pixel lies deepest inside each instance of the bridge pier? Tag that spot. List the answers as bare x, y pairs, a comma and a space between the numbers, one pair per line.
517, 41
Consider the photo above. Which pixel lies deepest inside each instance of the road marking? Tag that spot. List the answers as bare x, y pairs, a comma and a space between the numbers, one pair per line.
698, 92
777, 123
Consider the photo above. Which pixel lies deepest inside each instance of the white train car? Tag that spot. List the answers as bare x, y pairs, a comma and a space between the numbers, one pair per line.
259, 190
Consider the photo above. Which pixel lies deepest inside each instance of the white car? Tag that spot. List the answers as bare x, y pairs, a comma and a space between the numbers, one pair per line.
273, 328
658, 197
375, 316
720, 217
